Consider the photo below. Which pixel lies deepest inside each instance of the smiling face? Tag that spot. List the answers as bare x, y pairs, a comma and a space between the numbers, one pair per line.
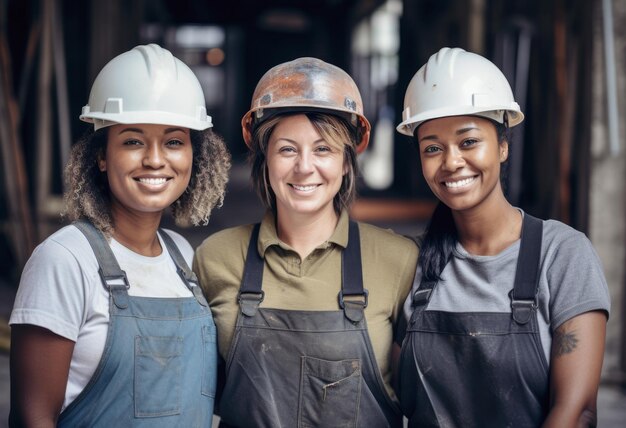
305, 171
461, 159
148, 167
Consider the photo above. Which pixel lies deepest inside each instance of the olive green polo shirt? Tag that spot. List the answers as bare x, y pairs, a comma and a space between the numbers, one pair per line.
388, 260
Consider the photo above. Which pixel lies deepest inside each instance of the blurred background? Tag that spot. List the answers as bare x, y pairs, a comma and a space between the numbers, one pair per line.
565, 60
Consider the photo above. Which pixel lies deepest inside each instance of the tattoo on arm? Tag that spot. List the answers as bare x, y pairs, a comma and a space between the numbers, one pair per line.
564, 342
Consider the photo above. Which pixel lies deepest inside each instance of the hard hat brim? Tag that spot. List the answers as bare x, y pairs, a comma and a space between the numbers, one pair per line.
102, 120
408, 127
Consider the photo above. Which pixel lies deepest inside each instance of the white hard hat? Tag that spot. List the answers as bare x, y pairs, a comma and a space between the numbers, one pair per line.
147, 84
456, 83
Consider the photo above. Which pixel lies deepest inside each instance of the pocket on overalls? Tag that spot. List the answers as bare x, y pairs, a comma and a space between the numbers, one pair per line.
209, 360
157, 375
329, 392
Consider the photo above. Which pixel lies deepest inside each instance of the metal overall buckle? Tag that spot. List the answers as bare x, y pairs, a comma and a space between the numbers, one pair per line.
249, 301
522, 309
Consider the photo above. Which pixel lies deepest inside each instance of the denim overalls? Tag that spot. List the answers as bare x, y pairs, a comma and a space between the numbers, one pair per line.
158, 368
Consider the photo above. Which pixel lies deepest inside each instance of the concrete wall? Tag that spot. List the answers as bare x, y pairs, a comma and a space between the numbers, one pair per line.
607, 225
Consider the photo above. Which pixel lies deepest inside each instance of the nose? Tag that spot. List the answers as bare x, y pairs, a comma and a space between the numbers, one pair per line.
304, 163
154, 156
453, 160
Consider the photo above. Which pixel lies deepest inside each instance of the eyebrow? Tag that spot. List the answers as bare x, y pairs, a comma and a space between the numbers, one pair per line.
140, 131
289, 140
458, 132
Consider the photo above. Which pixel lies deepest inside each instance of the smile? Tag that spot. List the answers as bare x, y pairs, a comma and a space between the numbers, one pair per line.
152, 181
307, 188
459, 183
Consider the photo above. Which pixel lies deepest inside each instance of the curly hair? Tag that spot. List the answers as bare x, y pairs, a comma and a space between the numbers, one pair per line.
335, 130
88, 193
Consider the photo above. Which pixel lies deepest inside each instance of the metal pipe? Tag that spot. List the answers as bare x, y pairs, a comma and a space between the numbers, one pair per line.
611, 85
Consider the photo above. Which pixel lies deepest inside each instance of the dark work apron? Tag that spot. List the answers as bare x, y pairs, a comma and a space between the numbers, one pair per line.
158, 367
304, 368
478, 369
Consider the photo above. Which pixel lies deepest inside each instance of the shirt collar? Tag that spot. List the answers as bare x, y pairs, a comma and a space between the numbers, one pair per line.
268, 235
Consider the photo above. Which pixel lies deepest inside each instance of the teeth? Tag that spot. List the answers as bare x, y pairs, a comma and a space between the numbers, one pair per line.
460, 183
304, 188
153, 181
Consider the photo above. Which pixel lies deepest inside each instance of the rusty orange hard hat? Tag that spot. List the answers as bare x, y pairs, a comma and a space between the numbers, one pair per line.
307, 85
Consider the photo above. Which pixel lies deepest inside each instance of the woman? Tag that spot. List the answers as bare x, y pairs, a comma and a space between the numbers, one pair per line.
305, 301
109, 326
508, 312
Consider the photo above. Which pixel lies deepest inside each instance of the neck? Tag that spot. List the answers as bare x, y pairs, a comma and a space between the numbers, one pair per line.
489, 228
137, 232
305, 233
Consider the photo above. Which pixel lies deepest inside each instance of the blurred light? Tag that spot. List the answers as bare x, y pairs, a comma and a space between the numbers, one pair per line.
196, 36
215, 56
385, 32
212, 80
361, 39
287, 20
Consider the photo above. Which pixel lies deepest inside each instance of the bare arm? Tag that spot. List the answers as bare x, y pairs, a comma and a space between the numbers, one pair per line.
40, 363
575, 365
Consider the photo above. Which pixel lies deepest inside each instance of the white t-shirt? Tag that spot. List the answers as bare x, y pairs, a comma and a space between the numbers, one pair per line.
60, 290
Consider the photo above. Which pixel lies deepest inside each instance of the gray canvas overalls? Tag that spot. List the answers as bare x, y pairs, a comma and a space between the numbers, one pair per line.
304, 368
478, 369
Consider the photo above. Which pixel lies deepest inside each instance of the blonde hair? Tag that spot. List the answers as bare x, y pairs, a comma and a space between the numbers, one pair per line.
88, 194
333, 129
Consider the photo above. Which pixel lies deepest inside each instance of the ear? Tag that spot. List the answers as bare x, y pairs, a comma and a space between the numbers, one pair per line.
102, 163
504, 151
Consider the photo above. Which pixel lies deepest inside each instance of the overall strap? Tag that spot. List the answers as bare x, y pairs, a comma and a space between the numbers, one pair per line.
185, 273
251, 292
113, 277
524, 293
352, 277
421, 296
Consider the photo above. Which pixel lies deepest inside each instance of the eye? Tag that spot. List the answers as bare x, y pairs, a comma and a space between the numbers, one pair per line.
132, 142
175, 143
468, 142
324, 149
287, 149
432, 149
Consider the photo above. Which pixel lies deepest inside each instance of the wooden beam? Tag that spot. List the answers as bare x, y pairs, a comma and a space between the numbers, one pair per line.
392, 210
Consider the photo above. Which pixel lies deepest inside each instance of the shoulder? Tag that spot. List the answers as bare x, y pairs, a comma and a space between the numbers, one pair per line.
226, 240
66, 246
219, 261
561, 240
386, 240
385, 252
181, 242
555, 231
58, 284
574, 277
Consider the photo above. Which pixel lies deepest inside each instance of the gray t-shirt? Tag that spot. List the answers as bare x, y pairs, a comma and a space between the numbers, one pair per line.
571, 281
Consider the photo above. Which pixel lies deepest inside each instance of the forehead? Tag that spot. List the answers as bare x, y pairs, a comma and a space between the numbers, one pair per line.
145, 128
452, 124
292, 124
